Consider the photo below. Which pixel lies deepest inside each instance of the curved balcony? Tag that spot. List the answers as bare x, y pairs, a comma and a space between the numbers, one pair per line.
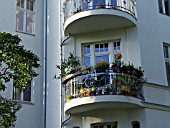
98, 15
104, 89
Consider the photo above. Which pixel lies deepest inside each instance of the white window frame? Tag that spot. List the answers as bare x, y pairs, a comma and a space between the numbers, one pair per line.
110, 51
25, 12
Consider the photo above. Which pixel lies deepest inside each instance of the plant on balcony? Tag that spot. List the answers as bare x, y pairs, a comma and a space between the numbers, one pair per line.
138, 72
100, 5
69, 97
126, 90
116, 64
84, 92
77, 10
93, 90
101, 66
70, 65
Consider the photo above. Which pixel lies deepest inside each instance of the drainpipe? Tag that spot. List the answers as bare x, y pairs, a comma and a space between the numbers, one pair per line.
61, 97
45, 64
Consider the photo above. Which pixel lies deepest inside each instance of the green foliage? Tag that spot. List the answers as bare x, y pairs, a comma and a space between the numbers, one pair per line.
18, 64
8, 109
69, 65
102, 64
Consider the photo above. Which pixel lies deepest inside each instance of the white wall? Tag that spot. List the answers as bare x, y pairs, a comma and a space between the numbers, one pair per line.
123, 117
157, 119
150, 27
53, 59
129, 44
30, 115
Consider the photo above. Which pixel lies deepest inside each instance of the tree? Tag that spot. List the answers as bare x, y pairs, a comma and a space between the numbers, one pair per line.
17, 64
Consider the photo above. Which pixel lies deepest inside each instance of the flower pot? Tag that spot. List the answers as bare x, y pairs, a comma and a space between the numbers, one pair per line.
115, 68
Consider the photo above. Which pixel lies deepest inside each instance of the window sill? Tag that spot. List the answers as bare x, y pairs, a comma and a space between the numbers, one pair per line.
164, 14
24, 102
25, 33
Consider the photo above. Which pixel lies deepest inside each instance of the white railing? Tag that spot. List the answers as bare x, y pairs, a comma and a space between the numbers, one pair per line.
71, 7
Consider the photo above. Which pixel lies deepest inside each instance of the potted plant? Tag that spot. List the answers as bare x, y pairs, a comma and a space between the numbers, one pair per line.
116, 64
138, 72
101, 66
69, 65
100, 5
69, 97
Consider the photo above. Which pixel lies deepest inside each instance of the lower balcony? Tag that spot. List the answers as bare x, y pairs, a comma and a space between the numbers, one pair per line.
104, 89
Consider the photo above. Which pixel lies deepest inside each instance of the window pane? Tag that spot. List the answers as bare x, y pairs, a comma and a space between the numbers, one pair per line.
18, 3
106, 47
29, 23
118, 45
109, 126
19, 20
166, 52
97, 48
101, 126
168, 72
101, 48
27, 92
86, 49
166, 7
31, 5
16, 94
160, 6
28, 4
22, 3
105, 57
87, 61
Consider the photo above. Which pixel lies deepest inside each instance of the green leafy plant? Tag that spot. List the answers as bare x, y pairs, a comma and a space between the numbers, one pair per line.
69, 65
102, 64
18, 64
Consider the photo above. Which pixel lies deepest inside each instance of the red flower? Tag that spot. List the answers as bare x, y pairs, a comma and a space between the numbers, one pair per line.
118, 55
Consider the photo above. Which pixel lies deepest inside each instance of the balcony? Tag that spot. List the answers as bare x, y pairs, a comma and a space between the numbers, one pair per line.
98, 15
85, 91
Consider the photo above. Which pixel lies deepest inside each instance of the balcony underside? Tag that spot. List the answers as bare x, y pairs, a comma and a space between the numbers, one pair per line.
87, 104
98, 20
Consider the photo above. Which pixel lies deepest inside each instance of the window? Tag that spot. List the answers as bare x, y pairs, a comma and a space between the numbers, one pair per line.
25, 16
166, 49
23, 96
164, 6
104, 125
135, 124
95, 52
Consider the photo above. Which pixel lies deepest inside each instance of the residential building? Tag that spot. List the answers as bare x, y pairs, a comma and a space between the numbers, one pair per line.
36, 23
100, 28
93, 30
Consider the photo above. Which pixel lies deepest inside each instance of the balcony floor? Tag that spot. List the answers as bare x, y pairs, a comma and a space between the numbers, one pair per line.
86, 104
98, 20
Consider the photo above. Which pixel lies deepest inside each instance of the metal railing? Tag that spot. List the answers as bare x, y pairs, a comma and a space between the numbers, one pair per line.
105, 83
71, 7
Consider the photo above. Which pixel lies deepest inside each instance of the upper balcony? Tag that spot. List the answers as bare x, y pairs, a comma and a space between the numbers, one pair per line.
81, 16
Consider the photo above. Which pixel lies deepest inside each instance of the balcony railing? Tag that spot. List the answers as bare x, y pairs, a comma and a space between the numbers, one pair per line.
104, 83
71, 7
